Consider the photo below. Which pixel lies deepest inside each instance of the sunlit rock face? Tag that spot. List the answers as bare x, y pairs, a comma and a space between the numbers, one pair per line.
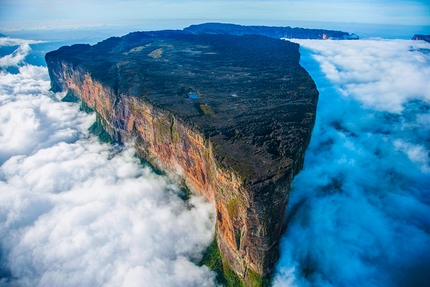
229, 116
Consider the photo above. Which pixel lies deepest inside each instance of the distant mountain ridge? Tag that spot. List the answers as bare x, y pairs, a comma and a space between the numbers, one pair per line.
2, 36
270, 31
421, 37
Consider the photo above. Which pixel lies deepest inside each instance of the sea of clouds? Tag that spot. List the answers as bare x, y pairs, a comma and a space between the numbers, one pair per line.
74, 212
359, 212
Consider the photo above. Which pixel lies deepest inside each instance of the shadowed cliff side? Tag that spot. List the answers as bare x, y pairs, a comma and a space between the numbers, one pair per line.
229, 116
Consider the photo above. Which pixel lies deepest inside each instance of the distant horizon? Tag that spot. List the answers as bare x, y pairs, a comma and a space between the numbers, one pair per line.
363, 30
353, 16
80, 213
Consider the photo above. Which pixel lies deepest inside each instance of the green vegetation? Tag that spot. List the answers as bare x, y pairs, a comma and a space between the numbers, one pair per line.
256, 280
84, 108
156, 53
98, 130
184, 193
213, 259
163, 128
155, 170
233, 208
176, 136
225, 276
70, 97
207, 111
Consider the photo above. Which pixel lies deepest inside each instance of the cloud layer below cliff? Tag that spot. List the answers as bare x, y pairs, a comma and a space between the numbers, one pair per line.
359, 210
78, 213
74, 212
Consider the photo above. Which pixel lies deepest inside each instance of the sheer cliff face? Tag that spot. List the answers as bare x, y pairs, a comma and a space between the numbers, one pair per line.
228, 116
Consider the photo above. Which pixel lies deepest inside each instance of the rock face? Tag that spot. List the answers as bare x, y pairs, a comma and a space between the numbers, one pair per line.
421, 37
273, 32
230, 116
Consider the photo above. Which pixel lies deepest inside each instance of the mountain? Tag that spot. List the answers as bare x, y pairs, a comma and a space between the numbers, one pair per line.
273, 32
421, 37
228, 116
2, 36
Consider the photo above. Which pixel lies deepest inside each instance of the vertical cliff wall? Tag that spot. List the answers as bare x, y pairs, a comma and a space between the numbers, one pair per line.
246, 169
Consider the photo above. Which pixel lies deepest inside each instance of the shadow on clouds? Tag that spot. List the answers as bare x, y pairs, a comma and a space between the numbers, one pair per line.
359, 210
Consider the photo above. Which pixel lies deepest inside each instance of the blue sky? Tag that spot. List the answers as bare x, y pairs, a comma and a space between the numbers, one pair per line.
46, 14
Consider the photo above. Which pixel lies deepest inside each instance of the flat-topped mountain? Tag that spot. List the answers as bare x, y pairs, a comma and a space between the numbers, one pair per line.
273, 32
421, 37
230, 116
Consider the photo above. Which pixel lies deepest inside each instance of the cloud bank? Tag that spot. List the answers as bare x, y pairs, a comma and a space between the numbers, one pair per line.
74, 212
359, 210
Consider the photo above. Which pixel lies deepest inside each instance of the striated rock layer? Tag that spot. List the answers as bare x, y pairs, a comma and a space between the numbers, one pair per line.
230, 116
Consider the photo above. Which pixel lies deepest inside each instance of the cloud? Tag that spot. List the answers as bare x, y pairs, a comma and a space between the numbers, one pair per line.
358, 211
30, 118
74, 212
19, 54
377, 84
77, 213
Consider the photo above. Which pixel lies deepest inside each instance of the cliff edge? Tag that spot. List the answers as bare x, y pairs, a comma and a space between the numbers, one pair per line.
230, 116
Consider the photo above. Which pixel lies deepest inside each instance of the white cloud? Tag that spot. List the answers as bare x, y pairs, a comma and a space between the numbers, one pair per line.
360, 70
358, 211
77, 213
74, 216
417, 153
19, 54
74, 212
30, 118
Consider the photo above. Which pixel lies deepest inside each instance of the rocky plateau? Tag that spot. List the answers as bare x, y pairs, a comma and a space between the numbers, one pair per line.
229, 116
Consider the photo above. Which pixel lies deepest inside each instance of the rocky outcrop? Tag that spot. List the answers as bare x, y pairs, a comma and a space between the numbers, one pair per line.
421, 37
273, 32
229, 116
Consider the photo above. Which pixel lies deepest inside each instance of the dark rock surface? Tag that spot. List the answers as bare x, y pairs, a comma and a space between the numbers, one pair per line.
421, 37
231, 115
273, 32
257, 95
